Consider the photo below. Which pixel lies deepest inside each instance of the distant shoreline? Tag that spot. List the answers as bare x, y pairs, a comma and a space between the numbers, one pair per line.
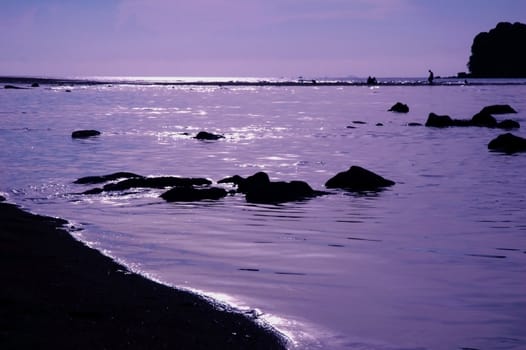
28, 81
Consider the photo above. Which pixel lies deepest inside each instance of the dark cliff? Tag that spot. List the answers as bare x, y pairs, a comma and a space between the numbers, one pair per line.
499, 53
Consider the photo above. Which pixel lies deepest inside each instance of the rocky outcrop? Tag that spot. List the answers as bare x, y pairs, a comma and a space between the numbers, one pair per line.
508, 124
399, 107
82, 134
106, 178
508, 143
204, 135
142, 182
358, 179
499, 53
156, 182
439, 121
14, 87
498, 109
481, 119
484, 119
259, 189
192, 194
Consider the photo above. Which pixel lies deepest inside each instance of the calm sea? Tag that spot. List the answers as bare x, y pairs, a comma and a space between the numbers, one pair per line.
437, 261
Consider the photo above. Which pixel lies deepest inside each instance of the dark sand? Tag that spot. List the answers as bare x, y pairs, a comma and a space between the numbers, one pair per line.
57, 293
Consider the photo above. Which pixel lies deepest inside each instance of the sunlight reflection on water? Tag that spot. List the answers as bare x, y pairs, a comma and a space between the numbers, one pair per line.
434, 262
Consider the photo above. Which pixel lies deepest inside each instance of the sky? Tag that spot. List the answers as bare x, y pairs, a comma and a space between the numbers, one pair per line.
245, 38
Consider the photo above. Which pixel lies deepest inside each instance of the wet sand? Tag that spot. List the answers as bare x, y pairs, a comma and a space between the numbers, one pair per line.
58, 293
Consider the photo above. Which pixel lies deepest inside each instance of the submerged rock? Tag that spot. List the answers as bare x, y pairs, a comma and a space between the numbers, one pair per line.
484, 119
508, 143
191, 194
13, 87
259, 189
498, 109
439, 121
399, 107
82, 134
106, 178
204, 135
281, 191
508, 124
156, 182
358, 179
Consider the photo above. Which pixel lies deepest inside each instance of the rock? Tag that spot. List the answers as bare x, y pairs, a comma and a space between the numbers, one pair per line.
399, 107
484, 119
281, 191
95, 190
414, 124
500, 52
498, 109
439, 121
508, 124
203, 135
508, 143
2, 198
13, 87
379, 124
236, 180
358, 179
156, 182
259, 189
82, 134
359, 122
191, 194
34, 85
106, 178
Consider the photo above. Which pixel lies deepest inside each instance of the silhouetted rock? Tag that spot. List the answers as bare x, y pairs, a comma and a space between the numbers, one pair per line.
191, 194
253, 182
359, 122
379, 124
13, 87
280, 192
498, 109
414, 124
82, 134
95, 190
358, 179
106, 178
259, 189
34, 85
508, 124
156, 182
399, 107
508, 143
2, 198
439, 121
484, 119
499, 53
236, 180
204, 135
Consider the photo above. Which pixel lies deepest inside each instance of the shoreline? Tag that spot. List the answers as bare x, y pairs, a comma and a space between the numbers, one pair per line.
29, 82
59, 293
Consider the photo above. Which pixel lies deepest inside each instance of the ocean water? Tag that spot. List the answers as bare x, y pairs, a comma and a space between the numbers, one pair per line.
437, 261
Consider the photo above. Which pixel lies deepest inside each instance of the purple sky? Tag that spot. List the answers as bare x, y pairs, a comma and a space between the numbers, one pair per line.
265, 38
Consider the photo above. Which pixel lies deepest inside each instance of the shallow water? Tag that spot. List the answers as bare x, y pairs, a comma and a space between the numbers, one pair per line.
435, 262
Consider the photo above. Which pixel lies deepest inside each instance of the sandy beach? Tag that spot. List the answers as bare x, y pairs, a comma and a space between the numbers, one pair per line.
58, 293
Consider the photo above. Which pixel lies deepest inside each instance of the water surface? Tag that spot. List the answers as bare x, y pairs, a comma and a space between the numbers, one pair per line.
435, 262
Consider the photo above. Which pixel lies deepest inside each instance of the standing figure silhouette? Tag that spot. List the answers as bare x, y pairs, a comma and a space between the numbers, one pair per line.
431, 77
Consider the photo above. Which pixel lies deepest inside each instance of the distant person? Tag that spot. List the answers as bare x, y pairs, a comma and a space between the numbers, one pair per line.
431, 77
371, 81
